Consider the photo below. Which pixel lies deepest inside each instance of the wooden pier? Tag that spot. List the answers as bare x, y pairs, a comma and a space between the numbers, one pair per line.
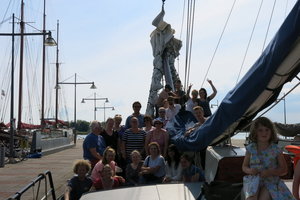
14, 177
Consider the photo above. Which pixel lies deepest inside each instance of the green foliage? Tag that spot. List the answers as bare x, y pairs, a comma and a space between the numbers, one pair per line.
81, 126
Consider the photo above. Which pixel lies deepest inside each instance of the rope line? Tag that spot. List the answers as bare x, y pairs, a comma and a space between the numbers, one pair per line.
218, 42
269, 25
250, 39
181, 28
189, 37
187, 43
191, 44
5, 20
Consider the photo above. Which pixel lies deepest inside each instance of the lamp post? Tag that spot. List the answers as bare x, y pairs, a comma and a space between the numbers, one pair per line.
75, 83
104, 108
94, 99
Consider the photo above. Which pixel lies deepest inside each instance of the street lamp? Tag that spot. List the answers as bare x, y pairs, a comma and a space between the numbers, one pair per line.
104, 108
75, 83
94, 99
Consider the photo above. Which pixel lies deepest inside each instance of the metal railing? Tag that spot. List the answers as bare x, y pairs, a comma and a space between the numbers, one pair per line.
38, 180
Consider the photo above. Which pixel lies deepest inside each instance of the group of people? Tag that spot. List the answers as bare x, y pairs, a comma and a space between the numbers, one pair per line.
173, 101
140, 152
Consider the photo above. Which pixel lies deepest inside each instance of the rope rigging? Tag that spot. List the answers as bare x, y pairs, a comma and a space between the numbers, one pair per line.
269, 25
250, 39
5, 20
221, 36
181, 28
189, 40
254, 26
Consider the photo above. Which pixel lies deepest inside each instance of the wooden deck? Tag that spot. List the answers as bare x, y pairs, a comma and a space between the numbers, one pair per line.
16, 176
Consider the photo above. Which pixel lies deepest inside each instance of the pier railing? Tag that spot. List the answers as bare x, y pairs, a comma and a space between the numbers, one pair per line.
42, 178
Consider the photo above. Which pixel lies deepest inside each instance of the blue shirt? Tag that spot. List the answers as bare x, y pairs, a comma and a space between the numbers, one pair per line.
191, 171
93, 141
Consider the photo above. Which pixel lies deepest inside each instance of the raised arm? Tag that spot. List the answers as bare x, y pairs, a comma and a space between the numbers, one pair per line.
213, 88
189, 91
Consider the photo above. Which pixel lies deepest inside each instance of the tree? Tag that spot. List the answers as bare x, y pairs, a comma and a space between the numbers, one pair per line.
81, 125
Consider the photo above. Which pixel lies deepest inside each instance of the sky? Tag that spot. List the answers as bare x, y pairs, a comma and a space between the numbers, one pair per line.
108, 42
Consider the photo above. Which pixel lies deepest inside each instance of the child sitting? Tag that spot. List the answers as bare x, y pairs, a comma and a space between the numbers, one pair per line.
264, 162
108, 158
80, 183
108, 180
190, 173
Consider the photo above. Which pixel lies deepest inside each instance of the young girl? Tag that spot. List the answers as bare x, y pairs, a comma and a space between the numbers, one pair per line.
108, 180
173, 167
190, 173
80, 183
133, 169
108, 158
264, 160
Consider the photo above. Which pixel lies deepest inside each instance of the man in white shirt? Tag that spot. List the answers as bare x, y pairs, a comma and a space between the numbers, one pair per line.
172, 111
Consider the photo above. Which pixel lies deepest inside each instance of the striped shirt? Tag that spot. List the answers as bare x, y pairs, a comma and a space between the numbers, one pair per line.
134, 141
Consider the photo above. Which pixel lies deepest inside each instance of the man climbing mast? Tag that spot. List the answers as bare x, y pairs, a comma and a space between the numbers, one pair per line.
165, 49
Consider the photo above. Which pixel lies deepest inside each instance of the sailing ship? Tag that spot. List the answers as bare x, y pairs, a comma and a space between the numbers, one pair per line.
51, 133
259, 89
278, 64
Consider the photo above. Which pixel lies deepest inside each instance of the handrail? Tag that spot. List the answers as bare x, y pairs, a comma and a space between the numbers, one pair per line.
42, 176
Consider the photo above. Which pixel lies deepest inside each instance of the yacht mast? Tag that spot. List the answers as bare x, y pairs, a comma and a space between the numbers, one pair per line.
21, 65
57, 71
43, 67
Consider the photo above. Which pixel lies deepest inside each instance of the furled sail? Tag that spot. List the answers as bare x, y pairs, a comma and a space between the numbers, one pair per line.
288, 130
165, 49
259, 88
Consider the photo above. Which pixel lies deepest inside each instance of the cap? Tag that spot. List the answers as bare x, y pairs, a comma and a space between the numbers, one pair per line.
160, 120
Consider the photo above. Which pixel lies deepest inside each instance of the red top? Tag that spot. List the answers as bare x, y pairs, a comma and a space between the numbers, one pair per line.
117, 181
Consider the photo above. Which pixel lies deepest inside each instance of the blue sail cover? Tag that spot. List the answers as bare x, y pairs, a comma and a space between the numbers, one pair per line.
258, 89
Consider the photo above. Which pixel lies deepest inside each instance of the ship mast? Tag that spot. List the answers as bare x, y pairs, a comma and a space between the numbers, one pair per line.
21, 66
57, 71
43, 67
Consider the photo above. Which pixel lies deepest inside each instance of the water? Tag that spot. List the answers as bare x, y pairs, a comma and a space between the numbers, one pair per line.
241, 136
81, 137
